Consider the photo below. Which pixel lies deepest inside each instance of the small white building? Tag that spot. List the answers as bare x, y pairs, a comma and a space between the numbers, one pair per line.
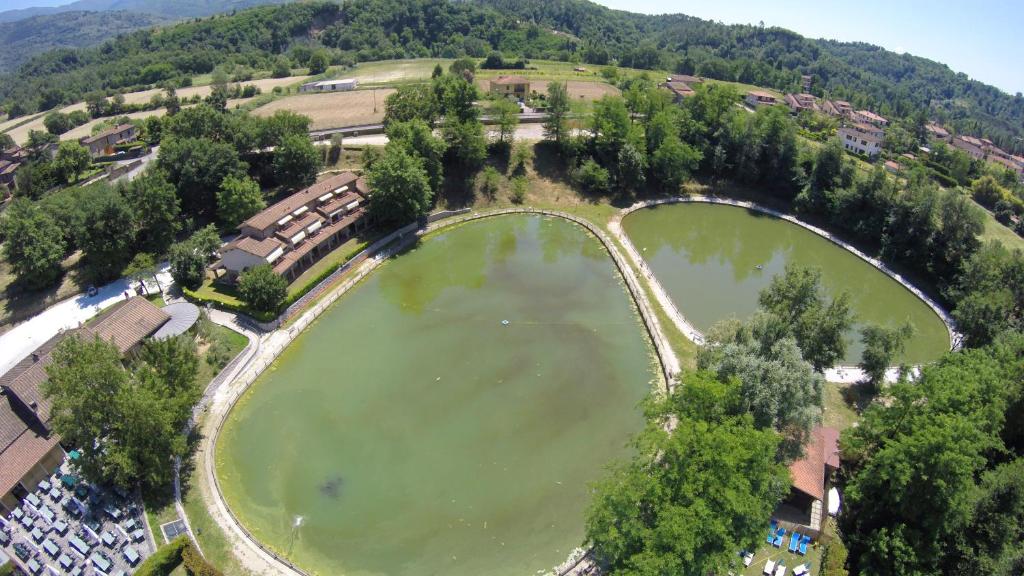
343, 85
862, 138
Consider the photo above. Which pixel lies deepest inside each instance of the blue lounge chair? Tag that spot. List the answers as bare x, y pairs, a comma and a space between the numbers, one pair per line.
803, 544
794, 541
780, 533
771, 531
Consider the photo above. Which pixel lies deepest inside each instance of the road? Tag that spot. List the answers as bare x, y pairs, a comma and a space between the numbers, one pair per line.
21, 340
524, 132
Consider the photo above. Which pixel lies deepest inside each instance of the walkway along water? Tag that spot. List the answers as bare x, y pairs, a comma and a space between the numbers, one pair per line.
839, 373
222, 398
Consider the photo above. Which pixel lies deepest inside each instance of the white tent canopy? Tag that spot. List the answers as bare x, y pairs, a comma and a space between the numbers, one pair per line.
833, 501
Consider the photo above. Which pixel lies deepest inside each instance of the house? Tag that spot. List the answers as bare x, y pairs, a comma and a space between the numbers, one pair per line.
29, 449
343, 85
936, 131
296, 232
679, 90
757, 98
839, 108
685, 79
102, 144
869, 117
974, 147
811, 475
805, 82
799, 102
862, 138
1013, 163
516, 86
893, 166
10, 160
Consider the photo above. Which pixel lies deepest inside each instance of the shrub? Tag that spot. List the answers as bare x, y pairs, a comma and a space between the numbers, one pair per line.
165, 559
518, 194
489, 179
592, 178
195, 564
263, 289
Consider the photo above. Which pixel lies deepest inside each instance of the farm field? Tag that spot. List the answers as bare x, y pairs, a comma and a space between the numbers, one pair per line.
332, 110
265, 85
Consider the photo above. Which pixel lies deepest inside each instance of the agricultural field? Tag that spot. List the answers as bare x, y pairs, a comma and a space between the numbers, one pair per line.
265, 85
333, 109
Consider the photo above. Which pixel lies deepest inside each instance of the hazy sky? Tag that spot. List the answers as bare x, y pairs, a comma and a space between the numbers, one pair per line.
982, 38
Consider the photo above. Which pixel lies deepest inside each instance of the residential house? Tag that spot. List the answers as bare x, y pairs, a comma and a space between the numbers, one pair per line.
516, 86
10, 160
799, 102
1014, 163
974, 147
102, 144
805, 82
869, 117
811, 476
838, 108
893, 166
757, 98
679, 90
862, 138
343, 85
296, 232
685, 79
29, 449
936, 131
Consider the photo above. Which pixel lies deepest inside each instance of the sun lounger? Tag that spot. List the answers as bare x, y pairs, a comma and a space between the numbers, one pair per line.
748, 558
794, 541
769, 568
780, 533
801, 570
780, 570
803, 544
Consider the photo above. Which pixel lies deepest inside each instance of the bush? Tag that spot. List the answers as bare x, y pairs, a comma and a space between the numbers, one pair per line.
518, 194
489, 179
592, 178
195, 564
165, 559
263, 289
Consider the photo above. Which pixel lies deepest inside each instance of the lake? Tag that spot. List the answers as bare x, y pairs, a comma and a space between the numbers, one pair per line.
706, 256
410, 430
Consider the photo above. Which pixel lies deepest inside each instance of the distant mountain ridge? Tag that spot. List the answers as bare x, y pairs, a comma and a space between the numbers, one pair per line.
167, 9
25, 38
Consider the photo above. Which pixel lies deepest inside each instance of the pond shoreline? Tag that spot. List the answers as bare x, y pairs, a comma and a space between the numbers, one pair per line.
260, 558
839, 373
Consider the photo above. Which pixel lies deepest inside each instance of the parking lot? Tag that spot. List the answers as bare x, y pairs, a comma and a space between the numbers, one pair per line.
69, 527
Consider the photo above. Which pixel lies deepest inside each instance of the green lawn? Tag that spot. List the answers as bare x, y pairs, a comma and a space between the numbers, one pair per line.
768, 552
336, 257
996, 231
219, 293
218, 346
843, 404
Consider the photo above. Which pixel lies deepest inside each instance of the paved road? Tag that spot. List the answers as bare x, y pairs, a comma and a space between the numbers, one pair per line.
524, 132
21, 340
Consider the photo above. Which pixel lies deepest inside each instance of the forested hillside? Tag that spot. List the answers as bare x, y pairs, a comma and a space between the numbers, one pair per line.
26, 38
174, 9
360, 30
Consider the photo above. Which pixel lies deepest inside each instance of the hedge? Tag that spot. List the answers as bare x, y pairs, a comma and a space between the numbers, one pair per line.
165, 559
196, 565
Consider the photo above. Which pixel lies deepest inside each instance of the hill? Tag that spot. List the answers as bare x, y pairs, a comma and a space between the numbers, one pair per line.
172, 9
897, 85
26, 38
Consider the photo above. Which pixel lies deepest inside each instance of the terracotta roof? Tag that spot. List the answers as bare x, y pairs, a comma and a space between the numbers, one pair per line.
7, 377
298, 225
24, 453
510, 80
680, 88
808, 473
130, 323
760, 94
685, 78
322, 235
273, 213
260, 248
871, 115
108, 132
339, 202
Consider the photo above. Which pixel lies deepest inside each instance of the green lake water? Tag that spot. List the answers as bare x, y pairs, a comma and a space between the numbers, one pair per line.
414, 433
706, 258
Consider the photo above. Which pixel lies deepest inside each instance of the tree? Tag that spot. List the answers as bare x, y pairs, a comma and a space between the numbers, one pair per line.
690, 497
488, 182
778, 387
438, 71
833, 561
960, 225
33, 179
282, 68
522, 155
417, 138
71, 160
157, 211
127, 425
409, 102
400, 188
881, 347
57, 123
505, 114
494, 61
465, 142
673, 162
318, 62
456, 97
33, 246
989, 294
593, 178
142, 266
238, 199
609, 128
798, 300
196, 167
109, 235
518, 191
464, 68
189, 258
262, 289
273, 130
555, 124
296, 161
6, 142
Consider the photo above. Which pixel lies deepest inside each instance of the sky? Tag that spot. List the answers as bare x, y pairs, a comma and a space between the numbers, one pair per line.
982, 38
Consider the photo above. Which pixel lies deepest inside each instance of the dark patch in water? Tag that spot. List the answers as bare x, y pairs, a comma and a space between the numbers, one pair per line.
332, 487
